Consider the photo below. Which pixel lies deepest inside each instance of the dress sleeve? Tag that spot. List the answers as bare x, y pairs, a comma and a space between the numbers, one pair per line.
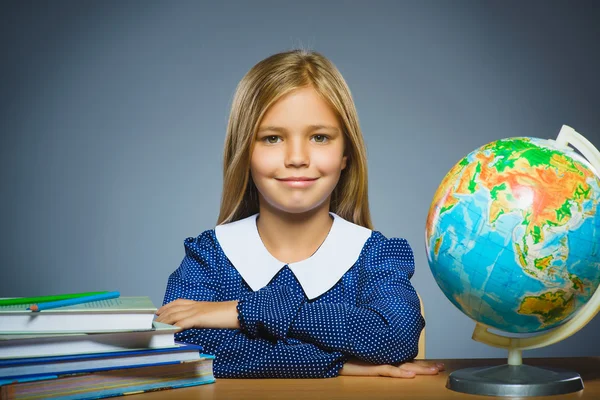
237, 355
382, 328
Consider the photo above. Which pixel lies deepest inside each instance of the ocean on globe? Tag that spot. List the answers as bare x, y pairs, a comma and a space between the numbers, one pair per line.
513, 234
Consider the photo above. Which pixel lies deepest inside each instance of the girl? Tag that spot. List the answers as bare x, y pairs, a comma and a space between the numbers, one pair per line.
293, 282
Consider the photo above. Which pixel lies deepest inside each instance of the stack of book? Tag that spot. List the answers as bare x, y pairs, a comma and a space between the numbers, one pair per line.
93, 350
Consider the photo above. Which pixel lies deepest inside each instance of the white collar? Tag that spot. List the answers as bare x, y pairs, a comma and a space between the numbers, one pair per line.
317, 274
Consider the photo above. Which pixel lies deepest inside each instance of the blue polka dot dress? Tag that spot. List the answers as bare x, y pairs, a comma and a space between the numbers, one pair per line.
352, 298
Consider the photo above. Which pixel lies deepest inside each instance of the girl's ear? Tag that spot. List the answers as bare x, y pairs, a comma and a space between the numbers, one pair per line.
344, 162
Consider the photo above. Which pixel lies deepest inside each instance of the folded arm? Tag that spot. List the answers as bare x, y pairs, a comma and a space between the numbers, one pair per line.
236, 354
383, 328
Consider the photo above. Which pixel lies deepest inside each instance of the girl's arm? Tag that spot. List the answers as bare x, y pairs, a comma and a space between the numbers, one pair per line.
300, 357
237, 355
383, 328
404, 370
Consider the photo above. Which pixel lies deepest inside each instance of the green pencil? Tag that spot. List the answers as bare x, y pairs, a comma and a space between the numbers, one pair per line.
43, 299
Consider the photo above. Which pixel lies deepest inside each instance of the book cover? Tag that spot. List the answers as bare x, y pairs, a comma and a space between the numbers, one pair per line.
114, 383
123, 313
68, 364
121, 304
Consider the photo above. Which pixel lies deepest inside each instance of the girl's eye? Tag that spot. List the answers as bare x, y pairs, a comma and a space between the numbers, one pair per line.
320, 138
271, 139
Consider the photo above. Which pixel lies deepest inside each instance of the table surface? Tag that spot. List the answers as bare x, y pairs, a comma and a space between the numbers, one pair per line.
345, 387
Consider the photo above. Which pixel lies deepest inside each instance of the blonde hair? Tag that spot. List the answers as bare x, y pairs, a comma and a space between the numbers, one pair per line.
260, 88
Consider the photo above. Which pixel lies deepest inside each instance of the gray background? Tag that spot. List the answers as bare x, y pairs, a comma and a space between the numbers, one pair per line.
113, 117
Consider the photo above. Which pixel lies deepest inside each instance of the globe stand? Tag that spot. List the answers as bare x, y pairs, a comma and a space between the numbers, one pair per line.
514, 378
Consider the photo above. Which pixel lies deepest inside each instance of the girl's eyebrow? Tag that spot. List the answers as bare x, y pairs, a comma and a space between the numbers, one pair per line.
309, 128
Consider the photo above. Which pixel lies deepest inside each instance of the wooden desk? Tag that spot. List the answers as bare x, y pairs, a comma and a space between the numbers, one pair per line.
370, 388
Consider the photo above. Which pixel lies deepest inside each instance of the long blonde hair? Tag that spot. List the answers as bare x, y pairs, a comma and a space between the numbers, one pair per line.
262, 86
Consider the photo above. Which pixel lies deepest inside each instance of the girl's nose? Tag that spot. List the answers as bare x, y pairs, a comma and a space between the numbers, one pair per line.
297, 155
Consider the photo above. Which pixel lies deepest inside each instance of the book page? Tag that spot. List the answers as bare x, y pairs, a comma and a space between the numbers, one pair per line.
118, 304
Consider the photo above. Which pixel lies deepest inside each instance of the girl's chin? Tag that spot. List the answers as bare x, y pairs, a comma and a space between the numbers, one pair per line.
298, 208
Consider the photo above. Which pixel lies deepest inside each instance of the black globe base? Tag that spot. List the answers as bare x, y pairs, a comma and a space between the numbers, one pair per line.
514, 380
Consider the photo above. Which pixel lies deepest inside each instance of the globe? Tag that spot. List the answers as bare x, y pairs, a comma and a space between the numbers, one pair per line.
513, 234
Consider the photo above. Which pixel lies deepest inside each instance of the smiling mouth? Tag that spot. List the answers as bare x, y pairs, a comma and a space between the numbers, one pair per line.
300, 182
297, 179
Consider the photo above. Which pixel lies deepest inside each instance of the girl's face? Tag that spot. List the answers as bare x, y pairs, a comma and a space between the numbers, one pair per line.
299, 153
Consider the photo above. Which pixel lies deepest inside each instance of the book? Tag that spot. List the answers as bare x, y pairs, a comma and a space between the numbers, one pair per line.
22, 344
120, 382
122, 313
70, 364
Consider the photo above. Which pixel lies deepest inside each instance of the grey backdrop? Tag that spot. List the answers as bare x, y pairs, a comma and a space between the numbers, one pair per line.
113, 116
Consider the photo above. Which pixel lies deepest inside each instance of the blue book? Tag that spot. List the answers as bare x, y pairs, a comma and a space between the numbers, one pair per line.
79, 363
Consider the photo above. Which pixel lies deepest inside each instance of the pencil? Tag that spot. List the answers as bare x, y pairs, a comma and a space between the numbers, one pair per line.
43, 299
70, 302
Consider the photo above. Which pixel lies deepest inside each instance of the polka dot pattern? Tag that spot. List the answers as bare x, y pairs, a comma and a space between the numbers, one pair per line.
372, 313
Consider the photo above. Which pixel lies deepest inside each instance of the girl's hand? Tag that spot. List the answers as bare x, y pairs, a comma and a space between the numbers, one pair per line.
406, 370
188, 314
